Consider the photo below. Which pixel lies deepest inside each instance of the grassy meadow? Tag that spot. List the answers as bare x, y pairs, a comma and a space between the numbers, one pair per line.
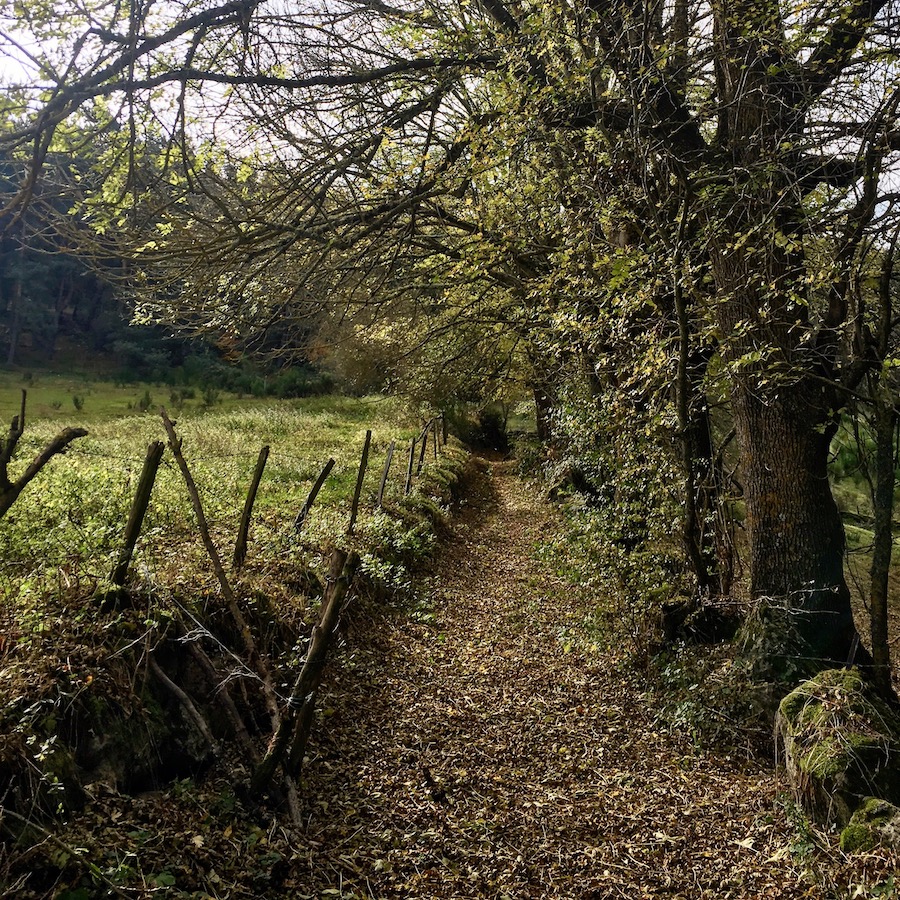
71, 398
62, 536
89, 675
854, 498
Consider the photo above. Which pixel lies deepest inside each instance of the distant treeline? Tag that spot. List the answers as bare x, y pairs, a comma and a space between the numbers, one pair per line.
56, 311
59, 309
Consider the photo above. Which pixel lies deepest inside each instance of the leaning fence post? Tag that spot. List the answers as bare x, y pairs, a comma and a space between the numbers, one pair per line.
409, 469
359, 481
240, 545
304, 510
384, 475
138, 510
285, 740
422, 451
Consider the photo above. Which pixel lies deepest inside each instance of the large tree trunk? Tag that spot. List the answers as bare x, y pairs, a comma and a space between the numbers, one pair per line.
796, 537
784, 415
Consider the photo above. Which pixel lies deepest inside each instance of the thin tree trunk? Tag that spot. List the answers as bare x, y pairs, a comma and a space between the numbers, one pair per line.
882, 543
692, 528
15, 300
542, 408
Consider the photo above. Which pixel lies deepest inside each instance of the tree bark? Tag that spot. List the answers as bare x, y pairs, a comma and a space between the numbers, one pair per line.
543, 409
796, 538
784, 405
783, 387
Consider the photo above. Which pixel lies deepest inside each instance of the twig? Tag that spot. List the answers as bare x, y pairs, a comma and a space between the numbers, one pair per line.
186, 702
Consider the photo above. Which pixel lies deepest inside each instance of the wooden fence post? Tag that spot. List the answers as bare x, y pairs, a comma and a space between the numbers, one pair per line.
138, 511
343, 567
422, 451
341, 580
240, 545
354, 509
313, 493
254, 658
384, 475
409, 469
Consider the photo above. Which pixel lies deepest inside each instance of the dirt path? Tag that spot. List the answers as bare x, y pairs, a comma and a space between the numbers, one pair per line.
471, 755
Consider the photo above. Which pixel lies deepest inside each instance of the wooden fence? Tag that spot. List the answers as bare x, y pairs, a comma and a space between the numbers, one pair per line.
433, 436
290, 716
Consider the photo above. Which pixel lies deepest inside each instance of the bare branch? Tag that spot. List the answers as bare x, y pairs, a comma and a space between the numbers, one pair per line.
835, 51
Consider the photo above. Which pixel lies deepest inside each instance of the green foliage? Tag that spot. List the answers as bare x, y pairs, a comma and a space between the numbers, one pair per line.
402, 536
624, 507
145, 402
78, 704
529, 203
483, 428
211, 397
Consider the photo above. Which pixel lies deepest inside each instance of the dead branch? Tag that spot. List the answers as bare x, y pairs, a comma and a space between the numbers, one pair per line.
223, 695
255, 658
187, 704
10, 490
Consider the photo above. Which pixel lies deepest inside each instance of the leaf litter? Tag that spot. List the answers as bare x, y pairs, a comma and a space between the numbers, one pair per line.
466, 746
479, 755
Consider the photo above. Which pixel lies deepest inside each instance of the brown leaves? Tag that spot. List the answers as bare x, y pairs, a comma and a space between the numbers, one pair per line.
465, 754
483, 760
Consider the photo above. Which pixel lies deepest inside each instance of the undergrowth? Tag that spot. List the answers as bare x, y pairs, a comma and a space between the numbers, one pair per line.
86, 719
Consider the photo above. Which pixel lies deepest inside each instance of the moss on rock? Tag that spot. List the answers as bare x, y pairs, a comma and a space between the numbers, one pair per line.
875, 823
841, 742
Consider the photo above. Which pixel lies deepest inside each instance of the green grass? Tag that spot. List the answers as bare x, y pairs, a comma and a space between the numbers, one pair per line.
57, 397
854, 499
75, 656
61, 539
67, 525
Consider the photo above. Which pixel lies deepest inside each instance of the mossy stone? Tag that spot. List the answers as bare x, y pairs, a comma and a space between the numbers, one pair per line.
875, 823
857, 838
840, 742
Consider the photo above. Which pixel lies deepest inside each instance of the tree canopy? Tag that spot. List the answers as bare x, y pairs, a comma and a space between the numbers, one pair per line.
662, 215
